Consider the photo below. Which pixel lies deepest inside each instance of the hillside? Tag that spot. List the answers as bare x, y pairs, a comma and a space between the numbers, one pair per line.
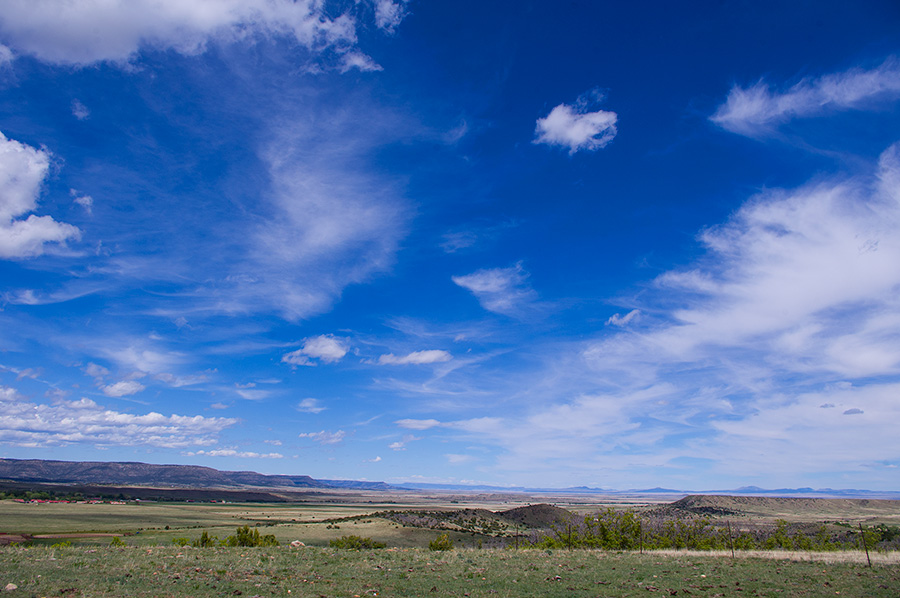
146, 474
769, 507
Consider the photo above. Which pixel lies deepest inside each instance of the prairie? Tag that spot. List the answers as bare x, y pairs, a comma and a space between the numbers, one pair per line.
325, 572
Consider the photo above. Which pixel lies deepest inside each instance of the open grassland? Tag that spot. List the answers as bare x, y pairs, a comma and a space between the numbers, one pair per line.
150, 524
323, 572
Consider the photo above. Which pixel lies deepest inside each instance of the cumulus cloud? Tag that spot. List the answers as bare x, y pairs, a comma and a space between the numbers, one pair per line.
400, 445
576, 127
758, 110
24, 423
324, 437
89, 31
416, 357
22, 172
500, 290
124, 388
325, 348
310, 406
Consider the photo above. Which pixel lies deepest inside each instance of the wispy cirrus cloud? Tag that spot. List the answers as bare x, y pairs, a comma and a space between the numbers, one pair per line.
229, 452
416, 358
576, 126
758, 110
389, 14
792, 308
125, 388
501, 290
310, 406
22, 172
324, 437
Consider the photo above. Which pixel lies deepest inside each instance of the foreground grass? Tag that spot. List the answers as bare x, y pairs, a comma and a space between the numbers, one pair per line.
317, 572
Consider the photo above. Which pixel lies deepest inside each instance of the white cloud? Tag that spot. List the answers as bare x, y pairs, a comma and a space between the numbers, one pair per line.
417, 424
22, 172
455, 459
96, 371
310, 406
124, 388
325, 348
6, 55
764, 356
85, 201
389, 14
80, 111
23, 423
330, 222
757, 110
253, 394
416, 357
577, 128
500, 290
358, 60
400, 445
324, 437
234, 453
618, 320
88, 31
179, 381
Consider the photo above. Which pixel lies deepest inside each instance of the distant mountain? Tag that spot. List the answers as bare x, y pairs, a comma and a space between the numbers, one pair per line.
358, 485
195, 476
808, 492
146, 474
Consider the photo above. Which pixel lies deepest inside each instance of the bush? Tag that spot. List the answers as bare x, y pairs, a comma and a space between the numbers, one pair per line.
117, 542
356, 543
181, 541
244, 536
205, 541
442, 542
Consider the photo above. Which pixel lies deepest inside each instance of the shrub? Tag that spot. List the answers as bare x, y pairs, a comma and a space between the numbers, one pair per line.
117, 542
356, 543
181, 541
442, 542
244, 536
205, 541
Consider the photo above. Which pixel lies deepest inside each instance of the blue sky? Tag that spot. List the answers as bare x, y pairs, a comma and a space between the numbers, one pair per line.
517, 243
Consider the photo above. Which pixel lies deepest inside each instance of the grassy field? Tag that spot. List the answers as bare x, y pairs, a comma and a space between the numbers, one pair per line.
150, 565
323, 572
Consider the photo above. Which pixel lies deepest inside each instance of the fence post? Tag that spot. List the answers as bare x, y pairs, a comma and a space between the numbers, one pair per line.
862, 536
730, 540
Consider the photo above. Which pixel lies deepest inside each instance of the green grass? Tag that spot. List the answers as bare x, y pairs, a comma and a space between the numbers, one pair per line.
323, 572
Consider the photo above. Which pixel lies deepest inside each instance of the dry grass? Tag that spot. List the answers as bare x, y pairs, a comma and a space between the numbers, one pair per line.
837, 556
